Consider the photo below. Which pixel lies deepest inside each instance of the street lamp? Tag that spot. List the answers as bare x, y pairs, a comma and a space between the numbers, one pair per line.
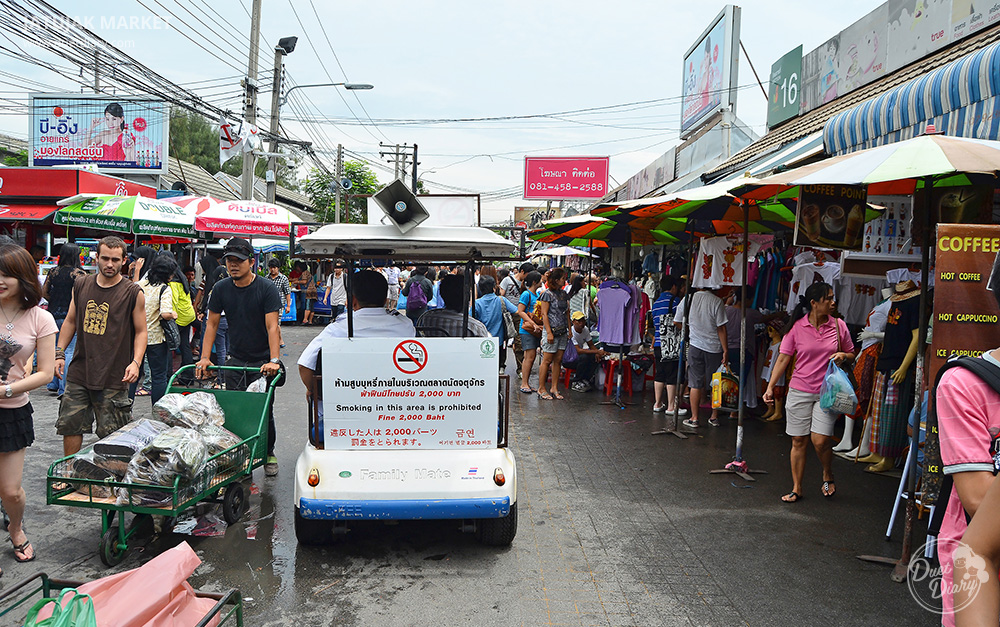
349, 86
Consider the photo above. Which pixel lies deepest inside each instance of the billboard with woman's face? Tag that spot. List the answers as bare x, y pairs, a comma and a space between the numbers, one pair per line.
710, 71
123, 135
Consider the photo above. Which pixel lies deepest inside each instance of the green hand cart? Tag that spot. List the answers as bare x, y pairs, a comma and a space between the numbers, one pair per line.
24, 594
225, 478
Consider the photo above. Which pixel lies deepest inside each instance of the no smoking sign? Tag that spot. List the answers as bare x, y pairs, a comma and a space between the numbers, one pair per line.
409, 357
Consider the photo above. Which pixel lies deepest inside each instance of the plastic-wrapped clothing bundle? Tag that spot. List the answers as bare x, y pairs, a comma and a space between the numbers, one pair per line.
219, 439
190, 411
176, 452
259, 386
89, 465
130, 439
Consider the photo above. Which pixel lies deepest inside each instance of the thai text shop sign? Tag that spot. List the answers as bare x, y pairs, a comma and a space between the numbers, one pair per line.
966, 313
831, 216
414, 393
565, 178
126, 135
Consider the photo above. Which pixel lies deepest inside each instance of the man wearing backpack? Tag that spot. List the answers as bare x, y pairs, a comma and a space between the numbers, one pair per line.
417, 299
968, 418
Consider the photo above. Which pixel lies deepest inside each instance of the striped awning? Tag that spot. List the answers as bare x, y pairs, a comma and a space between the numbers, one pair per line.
961, 99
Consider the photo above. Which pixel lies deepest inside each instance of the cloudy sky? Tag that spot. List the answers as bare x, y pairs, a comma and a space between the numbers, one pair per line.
436, 61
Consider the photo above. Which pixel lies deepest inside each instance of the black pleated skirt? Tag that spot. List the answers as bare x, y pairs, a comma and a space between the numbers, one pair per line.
16, 428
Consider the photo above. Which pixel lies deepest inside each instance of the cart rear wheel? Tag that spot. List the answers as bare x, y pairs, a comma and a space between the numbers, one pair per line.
498, 531
111, 555
234, 503
312, 531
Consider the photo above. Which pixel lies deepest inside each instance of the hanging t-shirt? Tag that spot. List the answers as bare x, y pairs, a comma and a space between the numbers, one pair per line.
808, 273
903, 319
752, 319
720, 259
876, 322
613, 302
856, 297
17, 352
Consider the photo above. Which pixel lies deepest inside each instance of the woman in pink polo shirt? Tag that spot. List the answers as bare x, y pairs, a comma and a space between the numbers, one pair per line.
814, 337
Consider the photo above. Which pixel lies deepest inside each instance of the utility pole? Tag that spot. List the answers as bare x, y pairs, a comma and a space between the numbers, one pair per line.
97, 74
250, 102
339, 177
272, 160
400, 157
414, 169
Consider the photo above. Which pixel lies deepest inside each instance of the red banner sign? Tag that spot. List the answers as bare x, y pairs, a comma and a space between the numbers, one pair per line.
565, 178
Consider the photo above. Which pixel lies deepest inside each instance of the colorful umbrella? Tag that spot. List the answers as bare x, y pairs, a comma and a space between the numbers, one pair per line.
892, 169
129, 214
245, 218
581, 230
560, 251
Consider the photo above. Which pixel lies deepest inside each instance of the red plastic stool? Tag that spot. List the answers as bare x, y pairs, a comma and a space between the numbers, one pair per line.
609, 376
567, 373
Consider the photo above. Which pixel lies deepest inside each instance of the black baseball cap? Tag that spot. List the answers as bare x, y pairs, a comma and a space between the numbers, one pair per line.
239, 248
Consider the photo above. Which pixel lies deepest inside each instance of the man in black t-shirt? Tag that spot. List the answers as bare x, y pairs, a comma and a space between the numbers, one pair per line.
251, 305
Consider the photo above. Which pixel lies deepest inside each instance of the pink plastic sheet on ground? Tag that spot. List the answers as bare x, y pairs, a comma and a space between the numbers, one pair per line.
156, 594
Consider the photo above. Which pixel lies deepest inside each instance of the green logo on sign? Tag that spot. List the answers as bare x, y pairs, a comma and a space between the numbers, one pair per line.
344, 474
487, 349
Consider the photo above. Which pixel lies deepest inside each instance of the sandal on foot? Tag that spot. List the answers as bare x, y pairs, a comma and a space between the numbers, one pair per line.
22, 549
827, 485
558, 396
544, 397
526, 390
791, 497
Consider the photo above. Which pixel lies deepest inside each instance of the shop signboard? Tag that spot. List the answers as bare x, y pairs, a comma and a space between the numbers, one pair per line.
414, 393
891, 236
561, 178
966, 317
917, 28
862, 57
968, 17
653, 176
118, 134
831, 216
710, 71
786, 85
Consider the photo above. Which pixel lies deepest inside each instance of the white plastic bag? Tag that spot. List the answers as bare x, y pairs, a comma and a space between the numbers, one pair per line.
837, 394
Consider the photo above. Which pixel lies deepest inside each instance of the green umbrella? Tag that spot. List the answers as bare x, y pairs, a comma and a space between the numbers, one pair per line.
129, 214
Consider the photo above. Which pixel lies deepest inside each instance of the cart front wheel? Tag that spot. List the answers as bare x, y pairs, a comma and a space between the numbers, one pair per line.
234, 503
111, 555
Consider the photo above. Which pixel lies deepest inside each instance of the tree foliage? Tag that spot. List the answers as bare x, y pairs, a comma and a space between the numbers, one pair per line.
16, 160
364, 182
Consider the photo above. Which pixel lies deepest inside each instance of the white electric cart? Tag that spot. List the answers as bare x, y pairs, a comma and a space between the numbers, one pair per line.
407, 428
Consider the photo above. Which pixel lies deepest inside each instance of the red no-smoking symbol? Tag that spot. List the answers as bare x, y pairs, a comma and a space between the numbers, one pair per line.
409, 357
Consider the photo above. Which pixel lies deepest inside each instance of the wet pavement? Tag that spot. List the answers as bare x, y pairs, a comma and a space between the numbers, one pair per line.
616, 527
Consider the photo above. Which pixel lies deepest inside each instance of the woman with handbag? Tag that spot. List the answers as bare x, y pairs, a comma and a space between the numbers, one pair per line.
529, 330
813, 336
159, 309
554, 304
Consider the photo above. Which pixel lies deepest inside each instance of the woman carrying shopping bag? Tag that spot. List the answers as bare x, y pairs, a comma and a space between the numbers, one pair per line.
813, 336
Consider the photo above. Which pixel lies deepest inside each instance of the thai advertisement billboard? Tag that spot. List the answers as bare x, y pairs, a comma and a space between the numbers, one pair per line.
710, 70
917, 28
565, 178
654, 175
118, 134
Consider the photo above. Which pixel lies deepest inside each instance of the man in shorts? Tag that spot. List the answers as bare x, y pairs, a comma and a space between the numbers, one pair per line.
110, 312
709, 348
512, 286
284, 291
251, 304
587, 355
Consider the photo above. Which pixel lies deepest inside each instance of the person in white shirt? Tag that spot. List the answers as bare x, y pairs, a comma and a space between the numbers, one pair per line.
336, 293
708, 347
391, 273
368, 293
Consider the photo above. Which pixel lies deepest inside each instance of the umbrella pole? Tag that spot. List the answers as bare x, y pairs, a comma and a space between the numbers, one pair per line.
672, 427
620, 370
738, 466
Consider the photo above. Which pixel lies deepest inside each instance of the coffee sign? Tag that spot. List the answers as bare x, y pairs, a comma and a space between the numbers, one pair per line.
831, 216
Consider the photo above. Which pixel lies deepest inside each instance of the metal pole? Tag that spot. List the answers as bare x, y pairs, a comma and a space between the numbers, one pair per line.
414, 168
250, 103
339, 175
272, 161
899, 572
743, 331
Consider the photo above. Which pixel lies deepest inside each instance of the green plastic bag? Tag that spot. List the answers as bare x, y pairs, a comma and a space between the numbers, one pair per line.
78, 611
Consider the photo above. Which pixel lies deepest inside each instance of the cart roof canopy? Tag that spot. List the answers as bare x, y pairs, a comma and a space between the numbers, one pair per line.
428, 243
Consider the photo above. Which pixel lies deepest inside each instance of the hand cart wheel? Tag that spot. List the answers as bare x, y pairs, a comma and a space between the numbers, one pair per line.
111, 555
234, 502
